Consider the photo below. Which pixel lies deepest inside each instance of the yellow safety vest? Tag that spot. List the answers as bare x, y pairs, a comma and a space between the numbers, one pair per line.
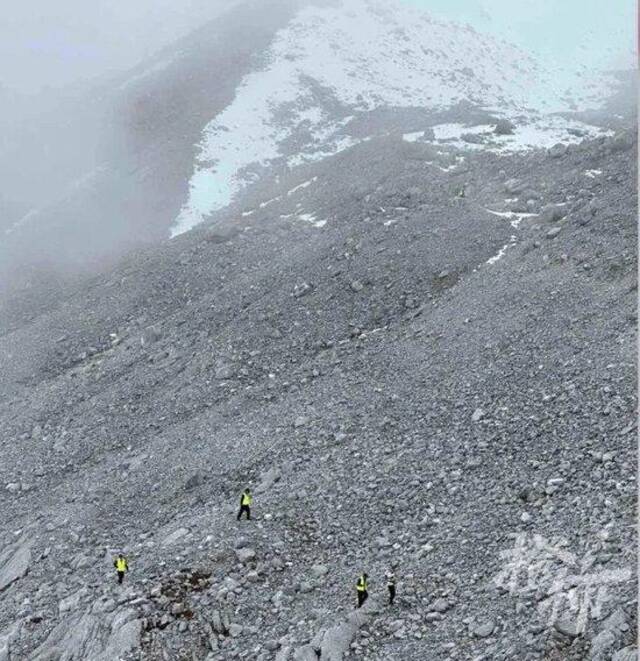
121, 564
361, 585
247, 499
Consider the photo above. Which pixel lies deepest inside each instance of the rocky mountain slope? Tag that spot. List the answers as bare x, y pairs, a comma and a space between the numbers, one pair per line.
249, 97
330, 71
141, 156
421, 380
419, 352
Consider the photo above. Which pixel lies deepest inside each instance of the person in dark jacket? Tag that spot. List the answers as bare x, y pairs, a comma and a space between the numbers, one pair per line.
391, 586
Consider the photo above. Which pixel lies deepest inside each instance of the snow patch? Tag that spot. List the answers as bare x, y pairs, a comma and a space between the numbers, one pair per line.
310, 218
539, 133
514, 218
262, 205
333, 145
304, 184
501, 253
412, 137
330, 63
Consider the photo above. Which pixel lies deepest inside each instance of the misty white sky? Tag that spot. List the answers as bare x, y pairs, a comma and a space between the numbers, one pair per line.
56, 42
596, 33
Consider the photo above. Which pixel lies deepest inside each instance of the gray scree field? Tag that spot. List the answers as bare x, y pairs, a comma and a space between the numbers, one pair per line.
417, 349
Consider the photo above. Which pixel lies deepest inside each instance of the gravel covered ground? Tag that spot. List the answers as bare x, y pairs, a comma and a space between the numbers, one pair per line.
440, 382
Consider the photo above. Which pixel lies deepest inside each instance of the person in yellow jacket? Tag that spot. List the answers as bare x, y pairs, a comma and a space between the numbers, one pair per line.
245, 504
362, 588
122, 566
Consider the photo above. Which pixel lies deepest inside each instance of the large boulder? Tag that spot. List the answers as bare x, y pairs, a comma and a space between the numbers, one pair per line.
504, 127
558, 150
305, 653
245, 555
73, 638
552, 213
126, 630
197, 479
337, 640
267, 479
174, 536
6, 639
482, 629
150, 335
567, 626
610, 636
472, 138
220, 622
99, 637
14, 563
622, 141
513, 186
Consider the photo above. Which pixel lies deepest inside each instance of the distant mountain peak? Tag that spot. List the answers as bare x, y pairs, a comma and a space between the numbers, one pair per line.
331, 63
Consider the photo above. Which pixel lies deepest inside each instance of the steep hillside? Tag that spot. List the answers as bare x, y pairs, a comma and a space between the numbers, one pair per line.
252, 96
332, 67
149, 122
416, 356
371, 265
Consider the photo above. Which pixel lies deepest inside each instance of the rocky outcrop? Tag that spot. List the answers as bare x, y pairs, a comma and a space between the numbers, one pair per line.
338, 638
100, 637
6, 639
420, 407
14, 563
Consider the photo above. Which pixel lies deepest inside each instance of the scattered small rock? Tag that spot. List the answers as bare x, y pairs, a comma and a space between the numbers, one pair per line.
567, 626
482, 629
245, 555
301, 289
504, 127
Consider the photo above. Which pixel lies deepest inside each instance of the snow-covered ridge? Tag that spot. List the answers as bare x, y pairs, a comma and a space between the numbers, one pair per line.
332, 63
542, 132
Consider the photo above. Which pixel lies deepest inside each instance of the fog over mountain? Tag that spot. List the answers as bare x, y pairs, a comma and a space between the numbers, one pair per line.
53, 45
575, 34
95, 145
376, 261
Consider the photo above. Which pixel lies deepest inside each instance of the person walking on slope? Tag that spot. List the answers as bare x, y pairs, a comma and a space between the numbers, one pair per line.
245, 504
391, 586
362, 586
122, 566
